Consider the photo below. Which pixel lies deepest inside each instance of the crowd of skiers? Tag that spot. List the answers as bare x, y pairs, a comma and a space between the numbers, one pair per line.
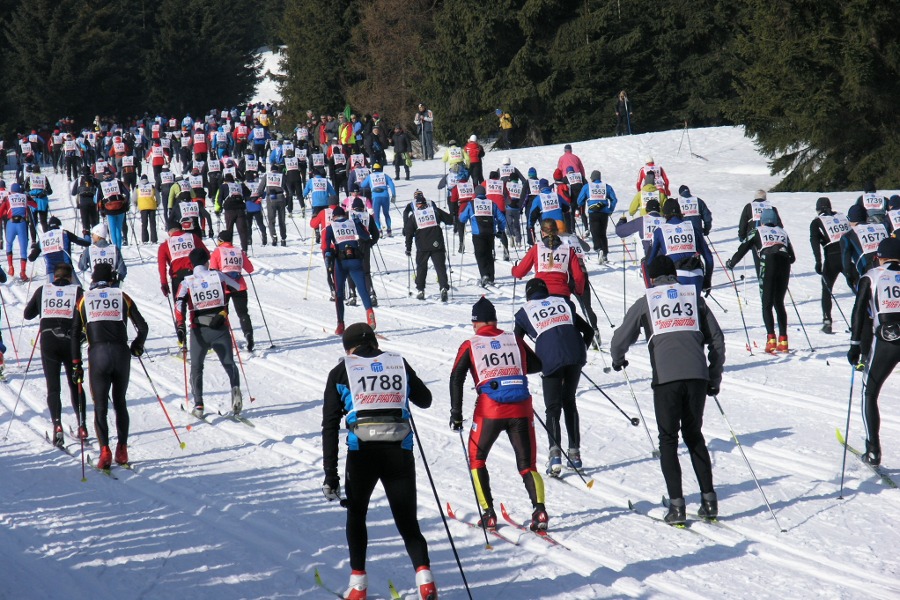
556, 225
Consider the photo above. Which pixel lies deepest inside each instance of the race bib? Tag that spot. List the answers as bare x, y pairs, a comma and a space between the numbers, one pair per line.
455, 153
596, 193
549, 202
376, 383
221, 137
466, 190
180, 246
287, 147
756, 209
107, 255
69, 145
548, 313
229, 171
690, 207
319, 184
514, 188
51, 241
302, 134
647, 196
18, 201
252, 165
870, 235
835, 226
291, 163
339, 158
679, 239
494, 186
185, 141
318, 160
673, 308
534, 187
213, 165
893, 217
119, 148
887, 291
259, 133
497, 357
167, 177
274, 179
104, 304
157, 151
357, 160
649, 225
507, 170
195, 181
38, 182
128, 161
575, 244
344, 231
772, 236
58, 301
425, 218
361, 173
109, 188
199, 139
483, 208
206, 290
574, 178
378, 180
873, 202
553, 260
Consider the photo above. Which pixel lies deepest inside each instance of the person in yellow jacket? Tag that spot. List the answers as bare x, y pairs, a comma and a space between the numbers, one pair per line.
453, 155
648, 191
506, 125
345, 131
147, 204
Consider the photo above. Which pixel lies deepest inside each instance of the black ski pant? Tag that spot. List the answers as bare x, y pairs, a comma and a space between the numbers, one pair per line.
72, 166
520, 432
241, 300
598, 221
202, 339
585, 301
679, 405
439, 260
831, 268
275, 210
884, 359
395, 468
56, 351
775, 272
89, 215
484, 255
238, 218
559, 399
109, 368
148, 226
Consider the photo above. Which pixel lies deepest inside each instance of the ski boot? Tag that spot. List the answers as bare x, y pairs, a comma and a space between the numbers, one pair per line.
444, 295
676, 515
539, 518
58, 438
826, 326
506, 255
121, 454
237, 403
873, 454
105, 458
771, 344
374, 300
425, 583
283, 243
709, 506
356, 589
574, 459
198, 410
554, 463
420, 295
339, 330
783, 343
370, 318
82, 432
250, 343
488, 520
351, 301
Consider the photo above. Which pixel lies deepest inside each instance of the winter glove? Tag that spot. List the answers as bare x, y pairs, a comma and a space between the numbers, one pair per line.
707, 291
618, 365
623, 219
712, 389
136, 348
165, 289
818, 268
853, 354
409, 251
332, 488
729, 265
77, 372
180, 333
218, 321
456, 421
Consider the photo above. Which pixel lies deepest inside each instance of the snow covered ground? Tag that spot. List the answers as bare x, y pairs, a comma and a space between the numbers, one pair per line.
239, 512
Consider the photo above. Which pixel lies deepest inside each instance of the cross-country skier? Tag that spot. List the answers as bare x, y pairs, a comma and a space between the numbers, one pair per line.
422, 221
825, 233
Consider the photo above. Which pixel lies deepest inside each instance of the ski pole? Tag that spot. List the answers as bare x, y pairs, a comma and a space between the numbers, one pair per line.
713, 298
487, 544
161, 403
297, 227
312, 245
633, 420
802, 326
600, 302
240, 360
383, 264
12, 338
741, 310
137, 244
834, 299
847, 430
654, 451
408, 276
271, 343
741, 448
82, 424
21, 387
556, 443
624, 275
512, 301
716, 252
439, 505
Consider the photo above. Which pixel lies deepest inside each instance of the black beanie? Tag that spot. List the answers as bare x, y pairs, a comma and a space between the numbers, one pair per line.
857, 214
198, 256
659, 266
823, 204
226, 236
102, 272
483, 311
480, 191
358, 205
536, 287
595, 176
671, 208
359, 334
652, 205
889, 248
684, 191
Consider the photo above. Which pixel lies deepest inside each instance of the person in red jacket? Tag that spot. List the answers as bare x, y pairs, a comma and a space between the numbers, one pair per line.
474, 152
569, 159
199, 144
499, 363
157, 158
460, 197
554, 261
231, 261
173, 256
661, 179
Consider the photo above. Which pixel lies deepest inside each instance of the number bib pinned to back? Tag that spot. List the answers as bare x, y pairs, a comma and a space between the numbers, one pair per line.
679, 239
377, 384
673, 308
58, 301
498, 365
104, 304
206, 290
548, 313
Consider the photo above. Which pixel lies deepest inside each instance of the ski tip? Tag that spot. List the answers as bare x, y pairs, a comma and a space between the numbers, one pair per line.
630, 505
318, 577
